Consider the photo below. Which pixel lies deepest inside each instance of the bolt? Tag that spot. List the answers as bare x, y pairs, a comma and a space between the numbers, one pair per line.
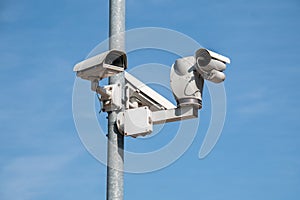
150, 120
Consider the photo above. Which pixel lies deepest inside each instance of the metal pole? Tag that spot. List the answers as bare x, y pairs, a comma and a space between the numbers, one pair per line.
115, 152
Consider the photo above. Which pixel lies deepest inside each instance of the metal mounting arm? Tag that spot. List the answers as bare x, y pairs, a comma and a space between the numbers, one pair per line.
172, 115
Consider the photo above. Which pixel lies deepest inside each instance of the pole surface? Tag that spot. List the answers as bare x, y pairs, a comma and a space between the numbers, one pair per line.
115, 152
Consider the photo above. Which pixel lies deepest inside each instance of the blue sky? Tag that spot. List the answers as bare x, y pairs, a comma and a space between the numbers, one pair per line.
257, 156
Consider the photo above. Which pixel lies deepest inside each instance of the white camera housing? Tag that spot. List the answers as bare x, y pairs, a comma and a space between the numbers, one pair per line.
211, 65
188, 74
102, 65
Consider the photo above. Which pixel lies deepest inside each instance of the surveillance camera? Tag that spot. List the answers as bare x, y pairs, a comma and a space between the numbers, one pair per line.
211, 65
102, 65
188, 74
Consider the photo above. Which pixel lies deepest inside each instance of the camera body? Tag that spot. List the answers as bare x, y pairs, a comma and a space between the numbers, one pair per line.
102, 65
188, 74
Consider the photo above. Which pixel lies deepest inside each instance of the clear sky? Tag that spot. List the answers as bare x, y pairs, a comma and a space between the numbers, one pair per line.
257, 156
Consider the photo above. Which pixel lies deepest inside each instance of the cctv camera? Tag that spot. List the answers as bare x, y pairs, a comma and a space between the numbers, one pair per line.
188, 74
101, 66
211, 65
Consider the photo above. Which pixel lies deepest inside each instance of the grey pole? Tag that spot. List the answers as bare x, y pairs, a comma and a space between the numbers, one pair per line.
115, 152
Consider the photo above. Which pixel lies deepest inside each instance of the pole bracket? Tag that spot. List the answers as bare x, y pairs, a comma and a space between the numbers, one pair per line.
110, 96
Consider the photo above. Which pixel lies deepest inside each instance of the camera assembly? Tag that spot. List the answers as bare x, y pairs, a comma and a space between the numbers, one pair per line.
143, 106
102, 66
